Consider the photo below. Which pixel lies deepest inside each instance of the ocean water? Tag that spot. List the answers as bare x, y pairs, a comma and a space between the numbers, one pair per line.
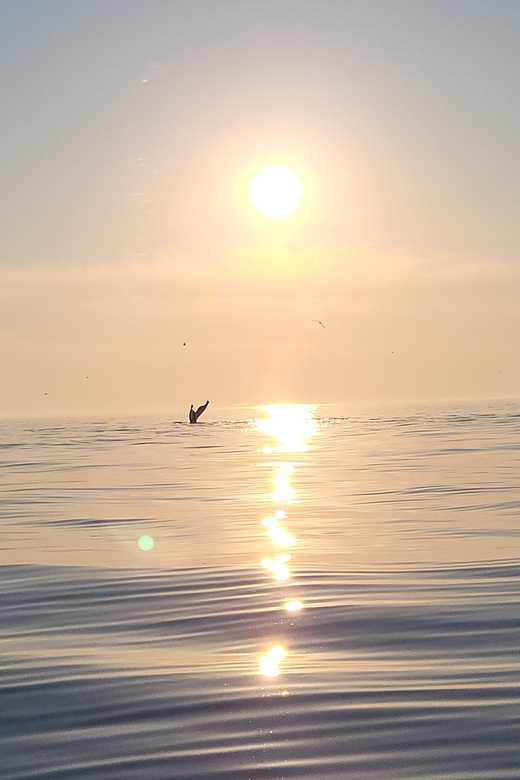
289, 592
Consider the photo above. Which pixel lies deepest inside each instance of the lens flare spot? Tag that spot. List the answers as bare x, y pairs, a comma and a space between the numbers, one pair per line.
146, 543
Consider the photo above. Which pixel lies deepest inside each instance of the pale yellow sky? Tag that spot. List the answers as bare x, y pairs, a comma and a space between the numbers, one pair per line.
132, 132
395, 327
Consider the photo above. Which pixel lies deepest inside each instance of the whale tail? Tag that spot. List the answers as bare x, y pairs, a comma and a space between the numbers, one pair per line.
194, 415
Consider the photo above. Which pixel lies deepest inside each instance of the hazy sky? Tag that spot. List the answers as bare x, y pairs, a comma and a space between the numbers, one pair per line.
129, 133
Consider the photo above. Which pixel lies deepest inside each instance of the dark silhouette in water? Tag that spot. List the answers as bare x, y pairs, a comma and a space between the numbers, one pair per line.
194, 415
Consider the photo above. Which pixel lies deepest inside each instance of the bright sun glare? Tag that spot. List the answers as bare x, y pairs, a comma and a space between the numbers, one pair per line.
276, 192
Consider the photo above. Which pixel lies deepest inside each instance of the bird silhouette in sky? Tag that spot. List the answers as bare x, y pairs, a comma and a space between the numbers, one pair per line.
320, 323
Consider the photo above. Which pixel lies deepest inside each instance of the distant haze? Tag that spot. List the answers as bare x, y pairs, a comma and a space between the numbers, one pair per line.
135, 275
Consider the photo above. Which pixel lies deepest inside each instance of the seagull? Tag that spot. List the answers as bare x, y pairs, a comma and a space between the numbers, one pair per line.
320, 323
194, 415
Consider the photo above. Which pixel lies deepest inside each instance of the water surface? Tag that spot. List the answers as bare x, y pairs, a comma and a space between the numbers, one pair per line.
290, 593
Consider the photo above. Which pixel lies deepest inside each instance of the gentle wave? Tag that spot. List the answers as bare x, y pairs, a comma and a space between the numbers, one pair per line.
139, 674
124, 659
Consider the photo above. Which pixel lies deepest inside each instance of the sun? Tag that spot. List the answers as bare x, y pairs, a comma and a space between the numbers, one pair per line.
276, 192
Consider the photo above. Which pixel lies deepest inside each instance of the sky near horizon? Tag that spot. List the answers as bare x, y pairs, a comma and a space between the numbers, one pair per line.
135, 275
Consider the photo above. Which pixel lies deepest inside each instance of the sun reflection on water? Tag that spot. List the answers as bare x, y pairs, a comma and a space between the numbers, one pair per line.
292, 425
272, 522
290, 428
269, 663
278, 566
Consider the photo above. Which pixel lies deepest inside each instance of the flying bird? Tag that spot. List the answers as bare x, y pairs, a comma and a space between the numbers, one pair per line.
320, 323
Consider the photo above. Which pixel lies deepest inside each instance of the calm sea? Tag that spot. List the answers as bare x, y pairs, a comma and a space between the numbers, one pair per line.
294, 592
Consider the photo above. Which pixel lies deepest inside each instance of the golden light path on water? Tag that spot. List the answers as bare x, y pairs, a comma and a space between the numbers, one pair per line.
289, 428
290, 425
